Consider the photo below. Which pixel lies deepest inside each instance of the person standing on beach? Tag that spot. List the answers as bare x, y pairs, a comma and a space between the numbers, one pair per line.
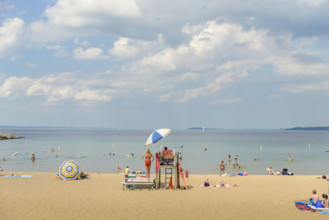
221, 168
148, 158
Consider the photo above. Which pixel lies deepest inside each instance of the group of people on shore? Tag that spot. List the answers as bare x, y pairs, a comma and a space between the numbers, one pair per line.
270, 171
222, 165
221, 184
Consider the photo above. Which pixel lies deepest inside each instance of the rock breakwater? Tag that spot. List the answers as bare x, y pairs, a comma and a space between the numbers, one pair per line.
4, 136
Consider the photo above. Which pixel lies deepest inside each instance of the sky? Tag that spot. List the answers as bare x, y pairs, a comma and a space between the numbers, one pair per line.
145, 64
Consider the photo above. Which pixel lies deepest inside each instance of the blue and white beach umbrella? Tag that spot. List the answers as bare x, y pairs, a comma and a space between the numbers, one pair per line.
157, 135
69, 170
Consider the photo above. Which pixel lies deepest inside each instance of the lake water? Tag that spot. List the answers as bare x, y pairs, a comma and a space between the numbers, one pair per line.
90, 148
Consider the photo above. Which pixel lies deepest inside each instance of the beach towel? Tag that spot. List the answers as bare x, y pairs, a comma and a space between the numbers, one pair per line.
207, 186
303, 205
23, 176
308, 206
157, 163
220, 186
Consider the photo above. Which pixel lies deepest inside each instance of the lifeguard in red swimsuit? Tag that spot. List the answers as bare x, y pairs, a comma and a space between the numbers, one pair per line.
148, 158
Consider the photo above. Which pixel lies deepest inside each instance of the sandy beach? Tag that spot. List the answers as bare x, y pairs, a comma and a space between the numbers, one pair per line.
101, 197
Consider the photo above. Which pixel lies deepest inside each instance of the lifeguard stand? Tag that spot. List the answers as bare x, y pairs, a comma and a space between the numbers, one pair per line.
171, 171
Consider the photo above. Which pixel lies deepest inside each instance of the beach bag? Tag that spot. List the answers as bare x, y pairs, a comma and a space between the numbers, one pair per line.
284, 171
324, 177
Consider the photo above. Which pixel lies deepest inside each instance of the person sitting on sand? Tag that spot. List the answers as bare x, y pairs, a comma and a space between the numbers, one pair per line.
270, 171
206, 183
222, 184
314, 198
318, 204
84, 175
325, 200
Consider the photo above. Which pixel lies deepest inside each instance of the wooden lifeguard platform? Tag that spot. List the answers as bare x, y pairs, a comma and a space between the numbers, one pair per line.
171, 171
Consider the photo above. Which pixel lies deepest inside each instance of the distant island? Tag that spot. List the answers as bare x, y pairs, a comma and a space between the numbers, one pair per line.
202, 128
309, 128
4, 136
293, 129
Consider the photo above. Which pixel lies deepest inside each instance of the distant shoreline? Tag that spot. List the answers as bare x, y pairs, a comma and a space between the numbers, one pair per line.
319, 128
308, 129
288, 129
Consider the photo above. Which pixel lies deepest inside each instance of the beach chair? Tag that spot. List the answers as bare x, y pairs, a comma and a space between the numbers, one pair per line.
168, 157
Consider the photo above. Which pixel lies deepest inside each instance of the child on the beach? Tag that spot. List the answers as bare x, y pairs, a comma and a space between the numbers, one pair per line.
325, 200
221, 168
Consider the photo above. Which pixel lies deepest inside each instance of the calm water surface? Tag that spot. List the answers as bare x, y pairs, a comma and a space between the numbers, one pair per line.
90, 148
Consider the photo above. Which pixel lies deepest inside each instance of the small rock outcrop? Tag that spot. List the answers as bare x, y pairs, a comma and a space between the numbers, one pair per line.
4, 136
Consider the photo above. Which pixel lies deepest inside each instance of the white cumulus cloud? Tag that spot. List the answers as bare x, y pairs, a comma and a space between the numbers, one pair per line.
54, 89
127, 48
10, 31
89, 54
82, 17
